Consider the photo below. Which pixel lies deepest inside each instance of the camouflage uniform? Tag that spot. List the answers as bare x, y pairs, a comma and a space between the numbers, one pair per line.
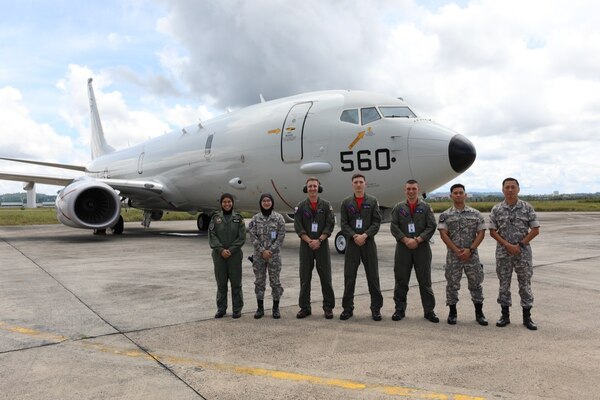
267, 233
228, 232
513, 224
462, 226
304, 217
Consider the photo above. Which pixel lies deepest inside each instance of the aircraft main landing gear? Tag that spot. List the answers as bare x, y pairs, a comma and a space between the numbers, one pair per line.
117, 229
203, 222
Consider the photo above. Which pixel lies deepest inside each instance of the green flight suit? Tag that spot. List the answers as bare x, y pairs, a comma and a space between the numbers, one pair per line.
228, 232
354, 221
405, 258
304, 218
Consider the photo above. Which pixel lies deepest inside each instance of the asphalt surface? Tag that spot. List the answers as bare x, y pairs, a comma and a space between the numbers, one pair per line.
131, 316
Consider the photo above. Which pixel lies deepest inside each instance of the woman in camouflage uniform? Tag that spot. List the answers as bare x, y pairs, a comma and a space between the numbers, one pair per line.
267, 231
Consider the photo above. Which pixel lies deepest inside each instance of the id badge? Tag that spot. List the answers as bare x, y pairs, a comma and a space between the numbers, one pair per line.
273, 235
411, 227
315, 227
359, 224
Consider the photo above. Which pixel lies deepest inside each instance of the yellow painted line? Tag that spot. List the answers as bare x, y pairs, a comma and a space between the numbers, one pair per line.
32, 332
361, 135
274, 131
399, 391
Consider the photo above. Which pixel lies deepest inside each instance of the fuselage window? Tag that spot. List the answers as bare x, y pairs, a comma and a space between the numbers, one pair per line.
369, 115
397, 112
350, 116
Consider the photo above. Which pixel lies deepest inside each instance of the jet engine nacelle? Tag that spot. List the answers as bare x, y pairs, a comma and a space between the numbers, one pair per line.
88, 204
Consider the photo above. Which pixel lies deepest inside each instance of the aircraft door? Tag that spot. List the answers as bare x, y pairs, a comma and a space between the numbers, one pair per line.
293, 132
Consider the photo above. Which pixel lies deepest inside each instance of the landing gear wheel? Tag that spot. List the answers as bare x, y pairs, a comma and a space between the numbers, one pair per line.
340, 243
118, 227
203, 221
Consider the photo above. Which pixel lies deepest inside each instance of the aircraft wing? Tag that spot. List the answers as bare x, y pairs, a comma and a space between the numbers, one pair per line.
45, 179
127, 186
47, 164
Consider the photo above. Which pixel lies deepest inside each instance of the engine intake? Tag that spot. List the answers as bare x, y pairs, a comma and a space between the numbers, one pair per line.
88, 204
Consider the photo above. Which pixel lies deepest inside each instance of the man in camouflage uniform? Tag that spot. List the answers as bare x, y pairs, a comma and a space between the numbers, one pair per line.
513, 224
413, 225
314, 223
361, 219
267, 231
462, 229
226, 236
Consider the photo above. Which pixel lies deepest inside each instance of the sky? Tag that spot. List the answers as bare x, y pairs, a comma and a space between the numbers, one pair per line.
520, 79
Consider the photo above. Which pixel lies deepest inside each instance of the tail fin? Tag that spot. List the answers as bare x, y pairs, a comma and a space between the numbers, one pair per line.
99, 145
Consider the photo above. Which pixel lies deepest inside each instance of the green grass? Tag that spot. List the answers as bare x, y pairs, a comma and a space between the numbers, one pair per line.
45, 216
538, 205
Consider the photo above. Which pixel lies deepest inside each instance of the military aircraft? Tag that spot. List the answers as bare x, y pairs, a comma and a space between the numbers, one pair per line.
272, 146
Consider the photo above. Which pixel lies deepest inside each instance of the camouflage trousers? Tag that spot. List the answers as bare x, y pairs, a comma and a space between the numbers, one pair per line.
273, 267
473, 271
523, 267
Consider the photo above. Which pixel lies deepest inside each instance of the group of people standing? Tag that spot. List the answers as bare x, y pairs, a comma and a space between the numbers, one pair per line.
512, 223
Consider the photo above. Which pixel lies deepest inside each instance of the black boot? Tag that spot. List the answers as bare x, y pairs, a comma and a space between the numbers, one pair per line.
479, 317
527, 319
276, 313
505, 318
452, 314
260, 311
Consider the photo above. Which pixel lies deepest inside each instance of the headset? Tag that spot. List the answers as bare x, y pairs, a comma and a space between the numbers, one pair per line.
305, 189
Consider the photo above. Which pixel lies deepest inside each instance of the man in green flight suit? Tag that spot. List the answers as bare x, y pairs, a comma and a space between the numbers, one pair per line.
314, 222
360, 220
226, 236
413, 224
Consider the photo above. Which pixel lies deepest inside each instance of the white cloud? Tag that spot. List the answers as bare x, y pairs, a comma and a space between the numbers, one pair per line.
518, 78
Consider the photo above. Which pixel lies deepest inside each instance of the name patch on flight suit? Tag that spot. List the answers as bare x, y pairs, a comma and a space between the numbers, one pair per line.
419, 210
236, 220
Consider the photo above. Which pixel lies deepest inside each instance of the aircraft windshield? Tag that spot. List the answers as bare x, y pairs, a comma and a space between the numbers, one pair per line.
397, 112
350, 116
369, 115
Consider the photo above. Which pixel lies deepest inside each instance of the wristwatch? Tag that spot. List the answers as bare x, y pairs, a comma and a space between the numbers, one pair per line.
472, 249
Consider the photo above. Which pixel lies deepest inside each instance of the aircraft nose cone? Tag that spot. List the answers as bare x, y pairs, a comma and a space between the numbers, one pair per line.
461, 153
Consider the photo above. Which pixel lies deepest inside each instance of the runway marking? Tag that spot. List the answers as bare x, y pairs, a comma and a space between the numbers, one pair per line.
32, 332
400, 391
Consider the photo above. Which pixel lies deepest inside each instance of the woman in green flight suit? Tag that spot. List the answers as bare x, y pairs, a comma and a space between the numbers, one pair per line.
227, 234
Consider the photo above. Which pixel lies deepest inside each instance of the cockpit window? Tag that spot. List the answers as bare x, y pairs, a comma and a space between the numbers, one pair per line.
350, 116
397, 112
369, 115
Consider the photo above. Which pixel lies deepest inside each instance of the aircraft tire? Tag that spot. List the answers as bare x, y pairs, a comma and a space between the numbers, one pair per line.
340, 243
119, 226
203, 222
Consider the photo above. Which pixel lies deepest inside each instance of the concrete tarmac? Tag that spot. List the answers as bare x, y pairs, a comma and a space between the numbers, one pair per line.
131, 316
